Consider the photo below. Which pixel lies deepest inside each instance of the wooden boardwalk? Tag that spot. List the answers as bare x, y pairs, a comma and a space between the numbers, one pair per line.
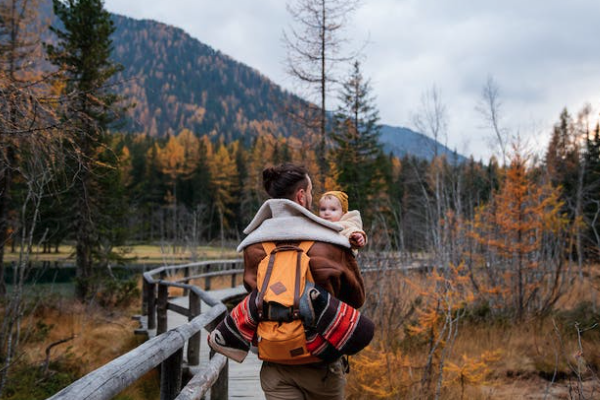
244, 380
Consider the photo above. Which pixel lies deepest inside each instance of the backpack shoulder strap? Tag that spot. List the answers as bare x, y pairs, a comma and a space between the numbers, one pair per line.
268, 247
306, 245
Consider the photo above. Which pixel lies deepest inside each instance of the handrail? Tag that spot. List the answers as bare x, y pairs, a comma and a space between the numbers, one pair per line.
166, 348
110, 379
204, 380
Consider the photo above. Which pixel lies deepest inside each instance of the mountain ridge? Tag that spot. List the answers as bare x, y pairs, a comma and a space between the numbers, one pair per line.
178, 82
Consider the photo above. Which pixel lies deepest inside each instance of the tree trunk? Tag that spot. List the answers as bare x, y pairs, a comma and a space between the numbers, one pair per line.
83, 248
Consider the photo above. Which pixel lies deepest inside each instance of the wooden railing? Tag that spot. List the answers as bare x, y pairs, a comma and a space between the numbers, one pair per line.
165, 348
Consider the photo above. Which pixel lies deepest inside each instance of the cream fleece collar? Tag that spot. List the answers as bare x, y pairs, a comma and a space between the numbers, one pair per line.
282, 219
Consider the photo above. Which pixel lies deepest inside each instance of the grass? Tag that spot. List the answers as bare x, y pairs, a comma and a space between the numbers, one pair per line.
95, 337
139, 254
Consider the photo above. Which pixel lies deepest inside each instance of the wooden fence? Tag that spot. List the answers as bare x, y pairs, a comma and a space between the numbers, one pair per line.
165, 348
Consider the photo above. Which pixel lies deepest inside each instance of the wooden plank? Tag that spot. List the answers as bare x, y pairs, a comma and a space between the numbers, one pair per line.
178, 309
193, 351
203, 380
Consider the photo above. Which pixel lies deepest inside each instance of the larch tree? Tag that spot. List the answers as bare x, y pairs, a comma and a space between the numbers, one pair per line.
520, 236
89, 106
224, 178
314, 51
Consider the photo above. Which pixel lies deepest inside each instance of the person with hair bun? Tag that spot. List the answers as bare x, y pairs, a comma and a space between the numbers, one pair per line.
286, 219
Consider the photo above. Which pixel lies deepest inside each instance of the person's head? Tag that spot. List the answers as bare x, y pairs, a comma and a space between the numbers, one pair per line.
288, 181
332, 205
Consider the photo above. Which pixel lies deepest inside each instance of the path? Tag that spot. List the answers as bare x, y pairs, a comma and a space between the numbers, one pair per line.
244, 380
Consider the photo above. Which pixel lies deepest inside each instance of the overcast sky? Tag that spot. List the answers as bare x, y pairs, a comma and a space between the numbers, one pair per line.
543, 55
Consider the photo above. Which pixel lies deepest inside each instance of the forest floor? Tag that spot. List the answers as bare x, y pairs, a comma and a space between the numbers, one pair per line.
536, 388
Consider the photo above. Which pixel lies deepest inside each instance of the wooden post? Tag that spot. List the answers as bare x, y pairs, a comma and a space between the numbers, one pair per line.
207, 279
161, 309
193, 350
220, 389
233, 280
151, 305
170, 376
186, 274
144, 297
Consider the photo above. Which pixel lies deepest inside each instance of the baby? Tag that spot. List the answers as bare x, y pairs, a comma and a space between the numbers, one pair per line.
333, 207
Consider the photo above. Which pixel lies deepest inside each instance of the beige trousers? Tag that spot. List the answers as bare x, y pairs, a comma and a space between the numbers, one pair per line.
303, 382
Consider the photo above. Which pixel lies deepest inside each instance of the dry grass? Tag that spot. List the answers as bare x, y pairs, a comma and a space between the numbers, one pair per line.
99, 335
539, 357
140, 254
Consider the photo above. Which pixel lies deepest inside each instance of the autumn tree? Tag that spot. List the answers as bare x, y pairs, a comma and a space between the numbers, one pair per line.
223, 184
89, 106
261, 152
178, 158
520, 237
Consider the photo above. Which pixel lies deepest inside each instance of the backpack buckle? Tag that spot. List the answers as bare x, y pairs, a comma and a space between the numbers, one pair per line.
276, 312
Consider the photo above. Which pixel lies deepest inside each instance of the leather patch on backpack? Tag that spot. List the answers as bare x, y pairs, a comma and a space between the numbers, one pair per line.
278, 288
297, 352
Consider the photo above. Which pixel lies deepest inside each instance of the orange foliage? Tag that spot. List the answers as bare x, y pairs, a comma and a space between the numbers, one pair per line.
520, 237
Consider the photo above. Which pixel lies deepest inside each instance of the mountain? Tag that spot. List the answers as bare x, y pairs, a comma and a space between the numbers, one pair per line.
402, 141
176, 82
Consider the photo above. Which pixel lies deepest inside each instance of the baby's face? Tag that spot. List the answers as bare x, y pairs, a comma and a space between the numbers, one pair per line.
330, 209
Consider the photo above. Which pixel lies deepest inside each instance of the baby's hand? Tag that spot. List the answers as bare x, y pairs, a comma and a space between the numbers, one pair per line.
357, 239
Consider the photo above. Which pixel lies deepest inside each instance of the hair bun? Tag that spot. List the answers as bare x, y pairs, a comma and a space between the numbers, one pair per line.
269, 175
282, 181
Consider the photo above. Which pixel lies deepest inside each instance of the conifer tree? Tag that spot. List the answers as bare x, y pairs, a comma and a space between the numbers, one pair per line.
591, 208
355, 139
562, 158
89, 107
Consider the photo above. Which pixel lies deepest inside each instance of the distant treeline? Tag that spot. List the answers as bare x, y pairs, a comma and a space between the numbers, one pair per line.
186, 189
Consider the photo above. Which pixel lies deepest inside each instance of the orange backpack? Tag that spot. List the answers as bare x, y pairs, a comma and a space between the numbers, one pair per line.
281, 278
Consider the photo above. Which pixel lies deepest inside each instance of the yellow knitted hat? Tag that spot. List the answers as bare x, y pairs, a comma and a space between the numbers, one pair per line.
341, 196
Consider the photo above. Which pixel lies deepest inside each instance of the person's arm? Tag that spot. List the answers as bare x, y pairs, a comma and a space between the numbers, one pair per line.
335, 269
353, 229
253, 255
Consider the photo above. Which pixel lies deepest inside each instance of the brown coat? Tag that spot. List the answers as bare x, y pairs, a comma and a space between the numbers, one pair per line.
333, 268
